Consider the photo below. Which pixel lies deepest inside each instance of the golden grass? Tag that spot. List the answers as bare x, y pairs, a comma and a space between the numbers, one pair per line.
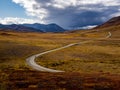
101, 54
16, 47
84, 58
97, 56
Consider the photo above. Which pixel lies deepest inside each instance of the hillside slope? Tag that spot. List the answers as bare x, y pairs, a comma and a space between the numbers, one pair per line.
112, 25
115, 21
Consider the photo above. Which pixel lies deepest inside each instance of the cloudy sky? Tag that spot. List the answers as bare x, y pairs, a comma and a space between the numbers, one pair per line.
66, 13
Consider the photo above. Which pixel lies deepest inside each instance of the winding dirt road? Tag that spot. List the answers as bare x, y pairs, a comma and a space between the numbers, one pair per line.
31, 60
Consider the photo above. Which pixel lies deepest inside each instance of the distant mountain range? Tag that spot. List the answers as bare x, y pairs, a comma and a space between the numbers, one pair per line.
36, 27
19, 28
46, 28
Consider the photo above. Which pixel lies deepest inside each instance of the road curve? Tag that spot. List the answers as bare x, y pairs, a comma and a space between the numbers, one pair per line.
31, 60
109, 35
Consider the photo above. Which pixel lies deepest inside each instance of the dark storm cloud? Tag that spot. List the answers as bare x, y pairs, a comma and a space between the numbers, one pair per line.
70, 18
74, 13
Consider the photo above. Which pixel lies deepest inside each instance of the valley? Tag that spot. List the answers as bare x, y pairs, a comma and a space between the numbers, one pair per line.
94, 65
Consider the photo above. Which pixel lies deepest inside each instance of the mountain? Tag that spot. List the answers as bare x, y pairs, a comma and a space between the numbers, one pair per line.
36, 27
19, 28
2, 26
115, 21
46, 28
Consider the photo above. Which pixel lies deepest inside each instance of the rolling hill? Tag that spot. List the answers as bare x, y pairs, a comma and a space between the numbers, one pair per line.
115, 21
112, 25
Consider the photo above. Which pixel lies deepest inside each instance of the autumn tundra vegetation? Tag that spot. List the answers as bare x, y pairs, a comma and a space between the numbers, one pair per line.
91, 66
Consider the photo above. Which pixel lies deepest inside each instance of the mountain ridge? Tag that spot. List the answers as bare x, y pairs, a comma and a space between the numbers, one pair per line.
36, 27
46, 27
